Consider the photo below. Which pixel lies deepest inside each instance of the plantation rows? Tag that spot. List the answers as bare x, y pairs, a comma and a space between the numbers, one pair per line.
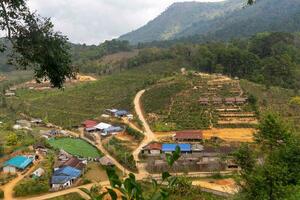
71, 106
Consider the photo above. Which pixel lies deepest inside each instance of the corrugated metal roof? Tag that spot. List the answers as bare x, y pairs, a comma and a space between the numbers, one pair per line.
172, 147
188, 135
89, 123
60, 179
20, 162
67, 171
102, 126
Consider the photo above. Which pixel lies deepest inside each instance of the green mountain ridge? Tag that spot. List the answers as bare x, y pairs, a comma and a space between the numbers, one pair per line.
219, 20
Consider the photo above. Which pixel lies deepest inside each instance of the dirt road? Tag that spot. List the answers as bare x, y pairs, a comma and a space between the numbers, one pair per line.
8, 188
67, 191
149, 135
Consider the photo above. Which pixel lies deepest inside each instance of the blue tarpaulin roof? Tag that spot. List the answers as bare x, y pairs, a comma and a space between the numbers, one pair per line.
172, 147
20, 162
67, 171
60, 179
121, 112
65, 174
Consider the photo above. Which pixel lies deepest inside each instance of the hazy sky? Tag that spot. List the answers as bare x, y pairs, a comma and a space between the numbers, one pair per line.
93, 21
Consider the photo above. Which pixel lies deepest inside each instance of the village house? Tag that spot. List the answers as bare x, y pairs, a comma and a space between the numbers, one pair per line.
9, 94
112, 130
64, 177
152, 149
102, 126
188, 135
230, 101
184, 148
40, 148
18, 163
197, 148
204, 101
89, 125
75, 163
240, 100
121, 113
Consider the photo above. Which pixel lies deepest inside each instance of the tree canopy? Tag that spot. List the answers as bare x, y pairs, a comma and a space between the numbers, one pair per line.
35, 44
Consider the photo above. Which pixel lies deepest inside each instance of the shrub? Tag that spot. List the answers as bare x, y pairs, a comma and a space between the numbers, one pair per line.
134, 133
1, 194
31, 187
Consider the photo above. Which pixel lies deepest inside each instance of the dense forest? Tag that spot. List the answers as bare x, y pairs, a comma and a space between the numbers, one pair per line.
219, 20
266, 58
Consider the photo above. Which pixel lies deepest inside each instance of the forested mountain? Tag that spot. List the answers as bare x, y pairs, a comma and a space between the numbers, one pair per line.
220, 20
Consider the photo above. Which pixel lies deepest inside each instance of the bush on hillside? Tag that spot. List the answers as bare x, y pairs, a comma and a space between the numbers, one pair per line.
134, 133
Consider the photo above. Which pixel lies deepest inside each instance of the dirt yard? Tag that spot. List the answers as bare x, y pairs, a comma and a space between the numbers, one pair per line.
227, 134
33, 84
2, 78
95, 172
223, 185
231, 134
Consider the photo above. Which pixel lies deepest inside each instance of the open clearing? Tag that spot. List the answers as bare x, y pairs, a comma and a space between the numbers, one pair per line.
227, 134
76, 147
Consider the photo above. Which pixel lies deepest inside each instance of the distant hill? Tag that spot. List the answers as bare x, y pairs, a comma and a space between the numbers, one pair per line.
219, 20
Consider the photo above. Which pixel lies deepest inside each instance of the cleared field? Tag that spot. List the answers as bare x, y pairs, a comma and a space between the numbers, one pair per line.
76, 147
231, 134
227, 134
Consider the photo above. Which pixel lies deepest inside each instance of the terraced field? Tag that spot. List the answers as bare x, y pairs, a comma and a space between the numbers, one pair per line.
175, 104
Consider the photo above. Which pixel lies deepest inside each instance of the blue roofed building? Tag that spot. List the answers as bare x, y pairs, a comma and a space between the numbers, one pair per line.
121, 113
184, 148
64, 177
18, 163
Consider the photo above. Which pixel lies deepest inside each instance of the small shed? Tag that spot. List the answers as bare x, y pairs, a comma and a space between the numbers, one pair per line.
204, 101
38, 173
153, 148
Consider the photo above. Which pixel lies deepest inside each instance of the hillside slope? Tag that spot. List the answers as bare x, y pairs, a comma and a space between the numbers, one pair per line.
219, 20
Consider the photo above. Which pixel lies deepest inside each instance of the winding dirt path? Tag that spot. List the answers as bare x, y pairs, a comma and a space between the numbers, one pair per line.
8, 188
149, 135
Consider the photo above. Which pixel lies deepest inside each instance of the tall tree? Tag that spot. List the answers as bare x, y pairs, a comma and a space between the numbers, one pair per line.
273, 173
35, 43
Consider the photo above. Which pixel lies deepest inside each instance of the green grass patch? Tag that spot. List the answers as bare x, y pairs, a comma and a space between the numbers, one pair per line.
71, 196
76, 147
275, 99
